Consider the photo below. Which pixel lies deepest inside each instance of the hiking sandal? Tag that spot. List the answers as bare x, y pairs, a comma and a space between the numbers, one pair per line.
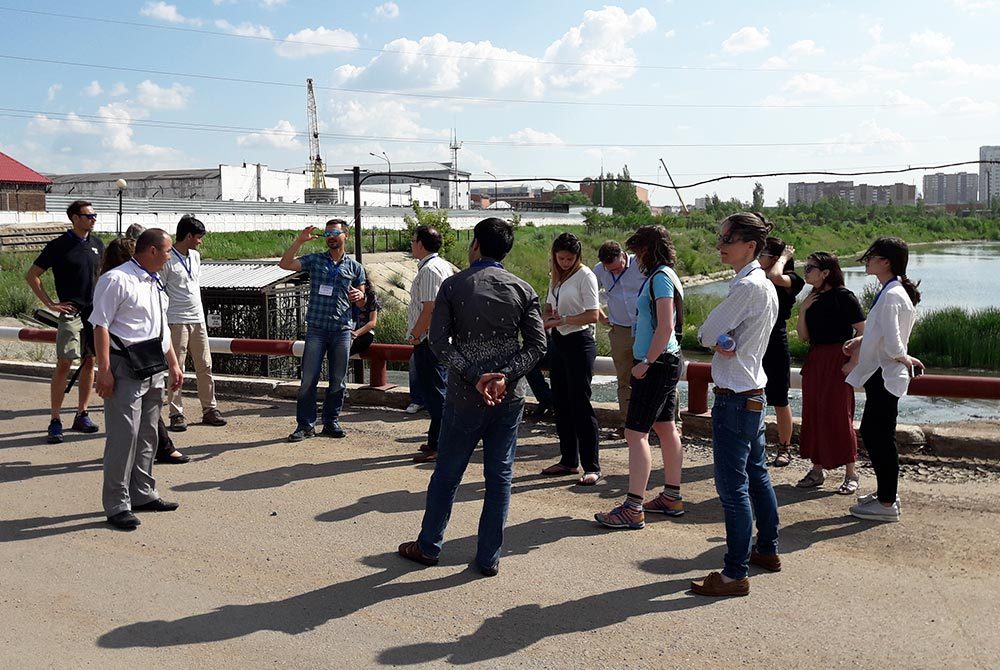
782, 458
812, 479
849, 486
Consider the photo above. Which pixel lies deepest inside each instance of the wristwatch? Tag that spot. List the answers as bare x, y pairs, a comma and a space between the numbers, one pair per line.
644, 360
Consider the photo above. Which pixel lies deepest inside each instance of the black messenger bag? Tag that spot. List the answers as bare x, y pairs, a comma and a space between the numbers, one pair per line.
145, 358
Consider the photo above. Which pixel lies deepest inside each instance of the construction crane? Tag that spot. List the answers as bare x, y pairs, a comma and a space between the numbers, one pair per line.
315, 161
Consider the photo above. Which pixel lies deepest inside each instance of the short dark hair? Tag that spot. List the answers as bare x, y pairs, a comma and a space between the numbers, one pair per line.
609, 252
151, 237
188, 225
824, 260
429, 237
75, 208
337, 222
495, 236
751, 227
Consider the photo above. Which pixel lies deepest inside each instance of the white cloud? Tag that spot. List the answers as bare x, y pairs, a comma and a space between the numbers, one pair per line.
72, 123
932, 43
387, 10
93, 89
164, 12
746, 39
281, 136
53, 91
869, 135
272, 4
810, 84
436, 63
118, 89
977, 6
315, 42
157, 97
804, 48
900, 98
245, 29
532, 136
875, 31
964, 106
775, 63
670, 34
957, 69
374, 116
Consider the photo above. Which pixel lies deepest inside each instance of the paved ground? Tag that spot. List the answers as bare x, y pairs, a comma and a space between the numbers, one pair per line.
282, 556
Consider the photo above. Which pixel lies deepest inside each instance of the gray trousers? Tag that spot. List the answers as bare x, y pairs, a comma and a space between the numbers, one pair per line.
130, 418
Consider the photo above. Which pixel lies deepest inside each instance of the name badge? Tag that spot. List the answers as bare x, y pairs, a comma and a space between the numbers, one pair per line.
326, 289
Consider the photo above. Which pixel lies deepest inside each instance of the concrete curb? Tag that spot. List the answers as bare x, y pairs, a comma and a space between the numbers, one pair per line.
949, 441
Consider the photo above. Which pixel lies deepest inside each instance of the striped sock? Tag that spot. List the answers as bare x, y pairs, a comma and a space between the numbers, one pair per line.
633, 502
672, 492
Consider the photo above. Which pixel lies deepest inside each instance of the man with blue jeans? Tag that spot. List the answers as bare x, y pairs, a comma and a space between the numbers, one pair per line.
479, 315
747, 316
336, 282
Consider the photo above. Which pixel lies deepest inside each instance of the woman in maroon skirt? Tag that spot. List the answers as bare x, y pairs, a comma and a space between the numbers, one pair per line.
829, 316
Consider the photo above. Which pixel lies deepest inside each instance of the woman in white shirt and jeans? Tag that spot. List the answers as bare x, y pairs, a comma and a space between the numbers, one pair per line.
884, 369
571, 310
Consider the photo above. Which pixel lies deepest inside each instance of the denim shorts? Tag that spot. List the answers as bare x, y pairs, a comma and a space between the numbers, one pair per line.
654, 397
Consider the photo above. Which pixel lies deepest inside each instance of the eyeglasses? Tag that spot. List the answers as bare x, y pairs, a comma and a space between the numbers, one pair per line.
873, 257
334, 233
810, 267
92, 217
731, 238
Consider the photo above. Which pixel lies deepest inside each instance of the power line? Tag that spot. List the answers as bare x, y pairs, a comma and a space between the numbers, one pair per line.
296, 134
456, 98
344, 47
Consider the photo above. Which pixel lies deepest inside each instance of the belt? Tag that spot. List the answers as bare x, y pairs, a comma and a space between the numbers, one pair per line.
722, 391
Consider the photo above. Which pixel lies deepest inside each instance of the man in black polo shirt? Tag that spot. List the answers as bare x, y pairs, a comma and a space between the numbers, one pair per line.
75, 259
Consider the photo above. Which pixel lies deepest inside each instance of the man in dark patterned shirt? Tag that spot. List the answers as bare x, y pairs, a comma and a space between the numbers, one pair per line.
479, 315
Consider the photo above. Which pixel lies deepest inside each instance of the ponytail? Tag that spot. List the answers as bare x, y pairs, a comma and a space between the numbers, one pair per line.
911, 289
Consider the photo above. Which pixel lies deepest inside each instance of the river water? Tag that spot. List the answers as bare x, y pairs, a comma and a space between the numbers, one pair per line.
951, 275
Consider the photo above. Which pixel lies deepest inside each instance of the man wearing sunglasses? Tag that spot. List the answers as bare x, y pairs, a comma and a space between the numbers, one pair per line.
336, 283
75, 259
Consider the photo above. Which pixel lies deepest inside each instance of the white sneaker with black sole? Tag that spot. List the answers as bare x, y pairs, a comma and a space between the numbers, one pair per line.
873, 510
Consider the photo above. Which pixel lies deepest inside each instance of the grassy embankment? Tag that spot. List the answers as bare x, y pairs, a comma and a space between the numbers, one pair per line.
953, 338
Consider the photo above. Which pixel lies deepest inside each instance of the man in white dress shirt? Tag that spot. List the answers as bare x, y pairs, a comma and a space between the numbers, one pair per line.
130, 307
747, 316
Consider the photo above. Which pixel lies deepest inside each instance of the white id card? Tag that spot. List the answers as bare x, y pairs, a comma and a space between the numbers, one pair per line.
326, 289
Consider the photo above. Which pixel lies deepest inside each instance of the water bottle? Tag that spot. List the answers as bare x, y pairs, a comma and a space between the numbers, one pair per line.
726, 343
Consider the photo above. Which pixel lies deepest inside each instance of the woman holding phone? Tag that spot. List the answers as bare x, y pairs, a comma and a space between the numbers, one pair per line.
884, 368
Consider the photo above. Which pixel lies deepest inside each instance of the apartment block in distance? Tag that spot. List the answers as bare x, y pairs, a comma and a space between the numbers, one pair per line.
989, 175
951, 189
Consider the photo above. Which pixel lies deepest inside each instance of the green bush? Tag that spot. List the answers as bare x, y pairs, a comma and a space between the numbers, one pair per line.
957, 338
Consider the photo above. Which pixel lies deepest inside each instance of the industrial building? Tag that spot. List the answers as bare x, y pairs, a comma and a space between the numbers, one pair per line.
452, 183
21, 188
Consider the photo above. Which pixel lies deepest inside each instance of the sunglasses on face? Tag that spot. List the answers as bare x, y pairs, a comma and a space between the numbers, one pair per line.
92, 217
810, 267
334, 233
731, 238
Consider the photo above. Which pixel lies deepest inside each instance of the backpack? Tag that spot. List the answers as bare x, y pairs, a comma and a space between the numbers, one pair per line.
678, 300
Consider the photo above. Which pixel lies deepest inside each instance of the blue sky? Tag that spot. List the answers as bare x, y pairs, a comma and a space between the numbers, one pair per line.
845, 85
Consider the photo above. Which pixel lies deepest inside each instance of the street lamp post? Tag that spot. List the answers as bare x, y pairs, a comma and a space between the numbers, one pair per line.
494, 184
121, 184
386, 159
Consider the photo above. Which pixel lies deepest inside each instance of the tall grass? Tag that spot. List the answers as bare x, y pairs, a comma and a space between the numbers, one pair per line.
16, 299
957, 338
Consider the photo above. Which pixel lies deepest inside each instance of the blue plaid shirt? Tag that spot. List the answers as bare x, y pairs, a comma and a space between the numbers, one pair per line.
331, 312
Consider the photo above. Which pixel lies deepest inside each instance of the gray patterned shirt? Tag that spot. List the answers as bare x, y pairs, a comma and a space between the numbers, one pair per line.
478, 316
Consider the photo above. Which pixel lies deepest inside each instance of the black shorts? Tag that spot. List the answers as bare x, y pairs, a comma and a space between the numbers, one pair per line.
777, 363
654, 397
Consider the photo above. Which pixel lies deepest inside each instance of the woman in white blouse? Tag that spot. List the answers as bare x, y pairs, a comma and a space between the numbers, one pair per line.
571, 310
884, 368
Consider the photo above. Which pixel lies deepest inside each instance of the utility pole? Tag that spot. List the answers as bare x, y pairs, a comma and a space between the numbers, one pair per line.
602, 183
359, 366
684, 209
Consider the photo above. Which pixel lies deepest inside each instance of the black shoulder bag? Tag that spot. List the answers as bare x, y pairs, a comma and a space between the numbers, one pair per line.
144, 358
678, 308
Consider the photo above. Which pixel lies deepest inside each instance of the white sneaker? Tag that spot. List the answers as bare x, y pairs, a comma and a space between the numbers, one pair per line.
868, 497
873, 510
413, 408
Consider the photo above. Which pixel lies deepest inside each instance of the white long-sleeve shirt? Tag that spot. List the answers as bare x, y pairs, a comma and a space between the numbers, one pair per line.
747, 314
887, 332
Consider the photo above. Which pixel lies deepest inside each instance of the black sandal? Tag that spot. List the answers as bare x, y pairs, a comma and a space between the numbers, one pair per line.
783, 457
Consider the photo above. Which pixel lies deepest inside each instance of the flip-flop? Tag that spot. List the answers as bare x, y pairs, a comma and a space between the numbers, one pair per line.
559, 470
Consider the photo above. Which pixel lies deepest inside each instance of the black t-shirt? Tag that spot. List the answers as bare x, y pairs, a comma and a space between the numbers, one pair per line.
75, 264
830, 318
786, 300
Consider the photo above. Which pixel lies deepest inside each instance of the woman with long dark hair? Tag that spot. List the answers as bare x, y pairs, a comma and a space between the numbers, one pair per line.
365, 320
776, 260
884, 368
829, 316
656, 356
571, 310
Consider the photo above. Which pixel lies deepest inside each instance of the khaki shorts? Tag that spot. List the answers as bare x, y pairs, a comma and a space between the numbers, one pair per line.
74, 338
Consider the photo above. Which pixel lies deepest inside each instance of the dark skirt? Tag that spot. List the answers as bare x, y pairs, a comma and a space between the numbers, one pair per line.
827, 437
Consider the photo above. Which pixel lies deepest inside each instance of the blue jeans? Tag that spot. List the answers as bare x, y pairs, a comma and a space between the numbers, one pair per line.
334, 345
742, 481
432, 384
461, 430
415, 396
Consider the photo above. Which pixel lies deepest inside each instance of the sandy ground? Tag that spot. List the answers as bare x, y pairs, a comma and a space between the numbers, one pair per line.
283, 556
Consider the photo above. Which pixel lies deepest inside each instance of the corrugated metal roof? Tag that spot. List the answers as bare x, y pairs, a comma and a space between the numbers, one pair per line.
18, 173
400, 168
207, 173
244, 275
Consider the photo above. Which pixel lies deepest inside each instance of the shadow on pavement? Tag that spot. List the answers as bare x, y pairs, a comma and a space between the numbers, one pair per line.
19, 471
47, 526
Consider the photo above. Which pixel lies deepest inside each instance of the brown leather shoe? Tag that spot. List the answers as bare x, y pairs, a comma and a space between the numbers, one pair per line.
770, 562
213, 418
712, 585
426, 457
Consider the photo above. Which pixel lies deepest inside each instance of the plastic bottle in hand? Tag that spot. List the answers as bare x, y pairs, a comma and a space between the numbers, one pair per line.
726, 342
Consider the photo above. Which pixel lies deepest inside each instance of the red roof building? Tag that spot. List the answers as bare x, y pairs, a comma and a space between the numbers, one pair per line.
21, 188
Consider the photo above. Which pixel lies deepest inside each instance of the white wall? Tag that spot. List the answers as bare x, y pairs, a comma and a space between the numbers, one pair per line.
239, 182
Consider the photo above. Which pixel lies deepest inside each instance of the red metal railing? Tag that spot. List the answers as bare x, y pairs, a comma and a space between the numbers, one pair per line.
697, 374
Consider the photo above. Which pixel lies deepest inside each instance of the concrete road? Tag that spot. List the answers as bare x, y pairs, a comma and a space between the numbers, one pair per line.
283, 556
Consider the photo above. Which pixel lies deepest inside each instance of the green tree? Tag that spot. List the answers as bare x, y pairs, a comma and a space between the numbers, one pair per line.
758, 197
436, 219
572, 198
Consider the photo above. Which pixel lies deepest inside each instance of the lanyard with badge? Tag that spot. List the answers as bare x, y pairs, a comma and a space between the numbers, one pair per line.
334, 270
185, 262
